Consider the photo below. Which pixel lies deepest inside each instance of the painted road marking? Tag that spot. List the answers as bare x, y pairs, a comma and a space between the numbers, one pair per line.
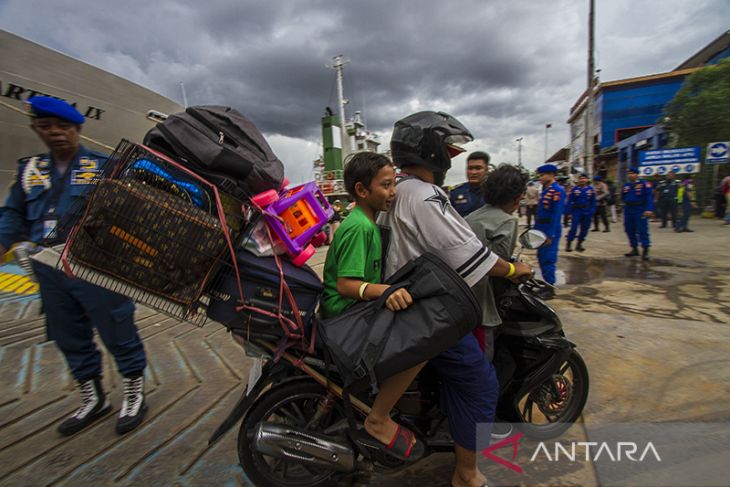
16, 284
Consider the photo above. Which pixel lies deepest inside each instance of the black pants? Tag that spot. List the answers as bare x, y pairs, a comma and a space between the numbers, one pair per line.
668, 208
600, 212
531, 211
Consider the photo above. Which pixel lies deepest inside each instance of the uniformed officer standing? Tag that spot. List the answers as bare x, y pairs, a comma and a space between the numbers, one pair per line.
46, 189
467, 197
686, 200
666, 192
549, 212
638, 200
581, 206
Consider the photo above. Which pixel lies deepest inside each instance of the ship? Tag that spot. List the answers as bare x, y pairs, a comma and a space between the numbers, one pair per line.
115, 108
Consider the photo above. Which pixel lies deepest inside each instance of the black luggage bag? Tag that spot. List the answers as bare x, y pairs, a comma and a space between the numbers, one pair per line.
219, 142
368, 341
260, 280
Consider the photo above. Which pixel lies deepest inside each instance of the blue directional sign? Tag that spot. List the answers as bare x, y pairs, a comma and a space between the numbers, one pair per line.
717, 153
680, 155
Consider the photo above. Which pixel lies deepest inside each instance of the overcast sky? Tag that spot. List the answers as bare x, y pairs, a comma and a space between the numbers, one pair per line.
504, 68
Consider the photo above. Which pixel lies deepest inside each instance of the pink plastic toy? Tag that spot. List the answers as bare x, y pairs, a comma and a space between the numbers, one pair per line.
303, 211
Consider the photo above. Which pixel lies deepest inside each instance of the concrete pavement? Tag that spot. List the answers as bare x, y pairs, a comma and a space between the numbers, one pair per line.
655, 336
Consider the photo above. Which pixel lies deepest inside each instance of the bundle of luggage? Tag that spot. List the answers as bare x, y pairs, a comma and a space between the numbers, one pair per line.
168, 223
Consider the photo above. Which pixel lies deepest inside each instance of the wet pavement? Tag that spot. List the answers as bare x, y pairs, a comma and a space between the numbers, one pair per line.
655, 337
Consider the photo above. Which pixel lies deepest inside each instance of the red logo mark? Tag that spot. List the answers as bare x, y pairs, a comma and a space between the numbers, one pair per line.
514, 441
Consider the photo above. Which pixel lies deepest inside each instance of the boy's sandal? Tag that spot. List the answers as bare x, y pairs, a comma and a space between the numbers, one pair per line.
402, 446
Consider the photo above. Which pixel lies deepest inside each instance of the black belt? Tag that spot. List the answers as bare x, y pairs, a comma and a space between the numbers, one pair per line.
544, 220
634, 203
580, 207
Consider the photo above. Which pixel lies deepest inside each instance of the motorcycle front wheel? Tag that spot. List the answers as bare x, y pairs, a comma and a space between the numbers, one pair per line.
553, 406
295, 404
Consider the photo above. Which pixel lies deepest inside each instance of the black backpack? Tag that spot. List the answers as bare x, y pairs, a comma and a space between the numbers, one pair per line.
219, 141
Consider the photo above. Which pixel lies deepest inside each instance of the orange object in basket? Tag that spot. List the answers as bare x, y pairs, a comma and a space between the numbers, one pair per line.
298, 218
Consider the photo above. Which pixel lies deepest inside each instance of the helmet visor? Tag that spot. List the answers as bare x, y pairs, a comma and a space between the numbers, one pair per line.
454, 150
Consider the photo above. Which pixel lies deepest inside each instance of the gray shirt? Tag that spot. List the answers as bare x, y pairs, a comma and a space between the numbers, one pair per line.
498, 231
422, 220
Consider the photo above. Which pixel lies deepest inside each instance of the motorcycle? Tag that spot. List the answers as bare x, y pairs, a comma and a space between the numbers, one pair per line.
294, 421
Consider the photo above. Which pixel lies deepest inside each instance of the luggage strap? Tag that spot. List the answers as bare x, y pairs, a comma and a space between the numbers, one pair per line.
293, 330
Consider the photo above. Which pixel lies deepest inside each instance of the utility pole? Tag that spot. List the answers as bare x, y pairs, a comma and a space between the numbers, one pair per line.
547, 126
339, 67
588, 126
519, 151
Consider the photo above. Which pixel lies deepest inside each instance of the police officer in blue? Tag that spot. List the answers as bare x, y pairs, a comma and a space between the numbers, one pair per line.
638, 198
549, 212
467, 197
581, 206
46, 188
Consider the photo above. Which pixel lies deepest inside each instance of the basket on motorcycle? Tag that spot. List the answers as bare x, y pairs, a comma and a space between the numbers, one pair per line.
261, 282
155, 232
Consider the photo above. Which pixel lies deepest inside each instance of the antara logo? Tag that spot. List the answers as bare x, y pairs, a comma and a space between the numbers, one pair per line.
574, 451
593, 451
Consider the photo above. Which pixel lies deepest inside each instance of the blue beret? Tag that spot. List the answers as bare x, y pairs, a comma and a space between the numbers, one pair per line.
583, 175
547, 168
45, 106
597, 177
634, 169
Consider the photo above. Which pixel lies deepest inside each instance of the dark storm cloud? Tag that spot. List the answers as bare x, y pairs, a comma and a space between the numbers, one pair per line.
505, 68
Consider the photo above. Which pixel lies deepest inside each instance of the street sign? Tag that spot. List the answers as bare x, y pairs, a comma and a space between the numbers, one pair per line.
680, 155
664, 169
717, 153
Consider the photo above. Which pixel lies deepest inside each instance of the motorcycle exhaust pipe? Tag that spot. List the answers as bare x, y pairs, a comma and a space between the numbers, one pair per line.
295, 444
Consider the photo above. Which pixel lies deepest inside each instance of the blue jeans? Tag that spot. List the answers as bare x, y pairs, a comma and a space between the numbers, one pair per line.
469, 390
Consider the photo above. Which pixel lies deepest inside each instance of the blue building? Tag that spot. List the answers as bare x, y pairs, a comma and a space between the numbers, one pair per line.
628, 112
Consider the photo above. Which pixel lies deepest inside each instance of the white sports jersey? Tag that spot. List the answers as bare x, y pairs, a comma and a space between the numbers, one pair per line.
422, 220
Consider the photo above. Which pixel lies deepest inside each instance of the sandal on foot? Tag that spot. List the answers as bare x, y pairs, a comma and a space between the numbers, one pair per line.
401, 446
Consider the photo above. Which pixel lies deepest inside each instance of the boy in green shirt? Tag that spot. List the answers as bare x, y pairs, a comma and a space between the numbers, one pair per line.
352, 272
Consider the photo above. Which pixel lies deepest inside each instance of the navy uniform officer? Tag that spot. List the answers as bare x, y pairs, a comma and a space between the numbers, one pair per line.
45, 189
638, 201
467, 197
549, 213
666, 195
581, 206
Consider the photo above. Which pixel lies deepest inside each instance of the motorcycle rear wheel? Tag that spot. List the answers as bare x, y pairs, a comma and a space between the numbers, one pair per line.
293, 403
544, 414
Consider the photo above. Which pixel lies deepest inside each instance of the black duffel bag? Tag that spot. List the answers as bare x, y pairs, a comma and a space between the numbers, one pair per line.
260, 280
370, 341
217, 140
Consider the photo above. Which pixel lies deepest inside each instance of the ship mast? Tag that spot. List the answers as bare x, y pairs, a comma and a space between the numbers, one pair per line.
339, 67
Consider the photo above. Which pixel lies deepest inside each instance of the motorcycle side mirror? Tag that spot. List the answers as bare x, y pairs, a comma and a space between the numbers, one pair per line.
532, 239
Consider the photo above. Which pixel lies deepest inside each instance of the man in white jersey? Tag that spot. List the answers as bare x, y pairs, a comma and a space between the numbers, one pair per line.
422, 220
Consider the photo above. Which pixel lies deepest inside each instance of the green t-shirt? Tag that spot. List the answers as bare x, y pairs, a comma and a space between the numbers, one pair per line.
355, 252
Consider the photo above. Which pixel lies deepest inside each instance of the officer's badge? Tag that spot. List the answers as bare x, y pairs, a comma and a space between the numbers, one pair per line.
84, 176
87, 164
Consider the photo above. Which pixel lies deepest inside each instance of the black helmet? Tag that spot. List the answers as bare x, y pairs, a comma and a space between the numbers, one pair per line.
428, 139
